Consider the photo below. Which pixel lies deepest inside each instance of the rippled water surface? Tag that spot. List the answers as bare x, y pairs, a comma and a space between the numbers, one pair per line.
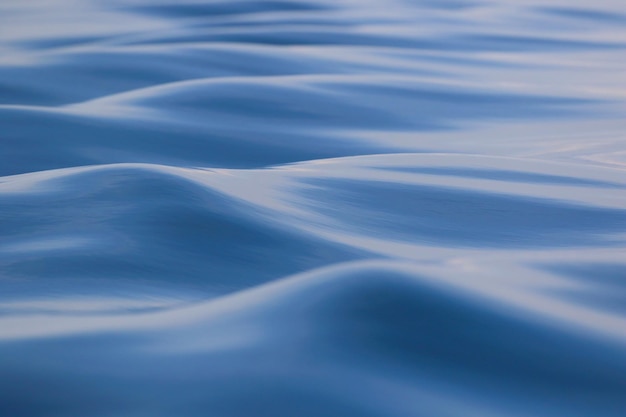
312, 208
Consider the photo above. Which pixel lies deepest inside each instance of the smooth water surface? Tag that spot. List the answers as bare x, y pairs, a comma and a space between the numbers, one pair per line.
312, 208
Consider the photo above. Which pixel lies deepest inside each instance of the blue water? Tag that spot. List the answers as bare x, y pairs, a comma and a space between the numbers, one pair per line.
312, 208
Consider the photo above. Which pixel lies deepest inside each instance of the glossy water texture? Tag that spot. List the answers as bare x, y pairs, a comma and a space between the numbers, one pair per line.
312, 208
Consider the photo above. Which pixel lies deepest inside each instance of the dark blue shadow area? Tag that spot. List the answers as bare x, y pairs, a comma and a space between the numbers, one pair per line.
457, 217
34, 141
227, 8
292, 36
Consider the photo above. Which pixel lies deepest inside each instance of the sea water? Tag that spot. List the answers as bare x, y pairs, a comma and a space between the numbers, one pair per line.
312, 208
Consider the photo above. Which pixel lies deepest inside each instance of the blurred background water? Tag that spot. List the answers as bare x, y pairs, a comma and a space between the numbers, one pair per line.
312, 208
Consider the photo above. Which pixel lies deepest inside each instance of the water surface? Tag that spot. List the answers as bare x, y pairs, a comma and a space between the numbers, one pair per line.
312, 208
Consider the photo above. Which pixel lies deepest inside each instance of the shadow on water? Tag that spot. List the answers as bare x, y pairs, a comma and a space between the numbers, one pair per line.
436, 215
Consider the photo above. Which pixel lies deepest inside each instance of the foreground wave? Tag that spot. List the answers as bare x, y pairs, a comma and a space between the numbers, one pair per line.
312, 208
358, 339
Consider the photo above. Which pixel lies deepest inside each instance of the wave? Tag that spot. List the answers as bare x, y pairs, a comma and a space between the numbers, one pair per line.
328, 341
79, 226
312, 208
